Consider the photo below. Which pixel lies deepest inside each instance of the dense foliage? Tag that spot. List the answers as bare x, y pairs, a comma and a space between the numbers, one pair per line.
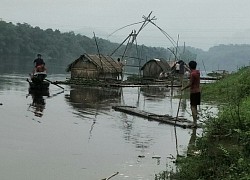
23, 40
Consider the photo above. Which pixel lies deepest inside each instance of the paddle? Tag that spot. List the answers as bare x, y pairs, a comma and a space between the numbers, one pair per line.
54, 83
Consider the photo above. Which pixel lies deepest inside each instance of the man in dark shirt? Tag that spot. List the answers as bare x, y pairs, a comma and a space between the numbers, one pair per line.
195, 92
39, 61
39, 64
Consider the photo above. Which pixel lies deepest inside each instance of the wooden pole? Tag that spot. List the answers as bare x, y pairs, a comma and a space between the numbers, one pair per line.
178, 108
54, 83
179, 103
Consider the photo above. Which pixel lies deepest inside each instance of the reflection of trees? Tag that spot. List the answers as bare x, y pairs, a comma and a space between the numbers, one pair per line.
10, 81
159, 92
3, 82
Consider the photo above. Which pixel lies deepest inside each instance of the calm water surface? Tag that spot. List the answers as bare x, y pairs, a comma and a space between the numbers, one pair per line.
75, 134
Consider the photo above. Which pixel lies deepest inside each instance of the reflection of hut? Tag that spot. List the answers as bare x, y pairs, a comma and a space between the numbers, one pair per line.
154, 68
159, 92
89, 97
95, 67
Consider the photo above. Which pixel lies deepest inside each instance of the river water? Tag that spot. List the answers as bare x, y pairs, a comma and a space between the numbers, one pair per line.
75, 134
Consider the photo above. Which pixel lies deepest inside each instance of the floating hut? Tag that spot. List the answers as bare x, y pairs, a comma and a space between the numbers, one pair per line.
95, 67
155, 69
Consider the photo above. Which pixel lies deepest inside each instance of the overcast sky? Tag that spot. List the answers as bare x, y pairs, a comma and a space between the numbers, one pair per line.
199, 23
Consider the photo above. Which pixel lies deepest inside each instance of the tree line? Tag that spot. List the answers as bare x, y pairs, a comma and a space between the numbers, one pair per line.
24, 41
61, 48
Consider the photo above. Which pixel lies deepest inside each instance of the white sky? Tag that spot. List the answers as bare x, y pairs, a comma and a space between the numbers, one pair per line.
199, 23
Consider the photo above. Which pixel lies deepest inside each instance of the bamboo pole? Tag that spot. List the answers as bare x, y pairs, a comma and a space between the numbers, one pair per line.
111, 176
54, 84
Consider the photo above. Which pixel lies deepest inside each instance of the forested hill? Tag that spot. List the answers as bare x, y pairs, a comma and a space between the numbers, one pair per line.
25, 41
228, 57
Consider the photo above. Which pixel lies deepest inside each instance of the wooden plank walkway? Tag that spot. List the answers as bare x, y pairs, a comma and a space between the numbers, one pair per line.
180, 121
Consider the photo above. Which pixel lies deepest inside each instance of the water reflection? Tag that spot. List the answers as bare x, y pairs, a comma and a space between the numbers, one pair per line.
38, 102
119, 142
12, 64
133, 135
11, 81
159, 92
91, 128
89, 99
191, 144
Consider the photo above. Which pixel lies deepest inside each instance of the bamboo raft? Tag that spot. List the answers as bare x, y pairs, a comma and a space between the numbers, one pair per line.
180, 121
143, 85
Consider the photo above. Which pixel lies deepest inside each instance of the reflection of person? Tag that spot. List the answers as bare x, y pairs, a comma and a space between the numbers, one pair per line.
191, 144
195, 93
39, 64
38, 105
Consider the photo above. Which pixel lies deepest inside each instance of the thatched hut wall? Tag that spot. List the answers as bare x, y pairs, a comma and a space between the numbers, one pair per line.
95, 67
84, 70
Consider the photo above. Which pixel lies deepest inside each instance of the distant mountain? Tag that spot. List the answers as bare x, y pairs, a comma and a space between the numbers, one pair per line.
224, 57
60, 49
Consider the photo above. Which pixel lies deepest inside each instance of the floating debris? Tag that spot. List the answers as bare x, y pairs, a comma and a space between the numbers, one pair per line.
156, 157
111, 176
141, 156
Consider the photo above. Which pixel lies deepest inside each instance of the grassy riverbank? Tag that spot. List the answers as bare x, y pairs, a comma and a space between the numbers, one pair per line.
223, 150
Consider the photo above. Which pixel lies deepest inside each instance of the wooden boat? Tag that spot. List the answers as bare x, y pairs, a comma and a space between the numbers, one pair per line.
38, 91
37, 81
43, 85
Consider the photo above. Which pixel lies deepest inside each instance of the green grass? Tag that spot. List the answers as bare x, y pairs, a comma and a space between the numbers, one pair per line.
224, 89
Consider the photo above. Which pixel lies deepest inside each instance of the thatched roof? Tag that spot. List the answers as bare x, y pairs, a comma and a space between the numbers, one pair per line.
102, 63
160, 62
